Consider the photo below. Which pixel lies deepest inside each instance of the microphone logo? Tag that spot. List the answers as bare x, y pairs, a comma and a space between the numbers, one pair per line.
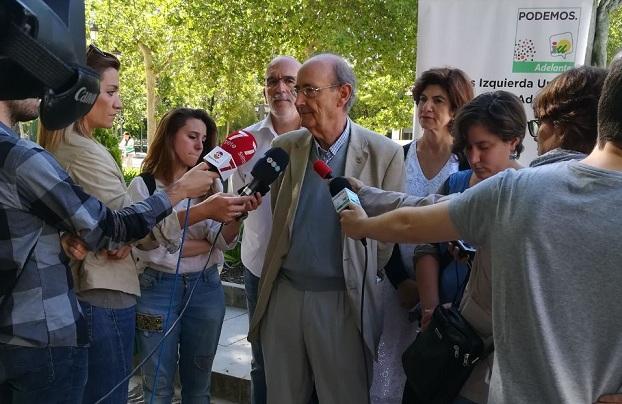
222, 161
274, 164
241, 145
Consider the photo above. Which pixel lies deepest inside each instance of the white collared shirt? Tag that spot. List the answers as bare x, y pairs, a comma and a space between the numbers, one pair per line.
258, 224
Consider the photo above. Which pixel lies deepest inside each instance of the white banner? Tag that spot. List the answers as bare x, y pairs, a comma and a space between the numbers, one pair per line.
512, 45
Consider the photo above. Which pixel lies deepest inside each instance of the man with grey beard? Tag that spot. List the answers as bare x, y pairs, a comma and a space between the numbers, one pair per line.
279, 82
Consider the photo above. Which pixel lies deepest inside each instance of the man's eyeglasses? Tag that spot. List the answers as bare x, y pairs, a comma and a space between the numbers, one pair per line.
272, 82
533, 127
311, 92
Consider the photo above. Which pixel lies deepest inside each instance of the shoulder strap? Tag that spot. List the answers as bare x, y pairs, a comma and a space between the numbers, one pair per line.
149, 180
444, 189
406, 147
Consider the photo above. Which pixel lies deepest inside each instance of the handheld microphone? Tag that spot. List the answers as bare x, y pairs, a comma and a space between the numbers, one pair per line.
237, 149
322, 169
342, 194
339, 187
266, 171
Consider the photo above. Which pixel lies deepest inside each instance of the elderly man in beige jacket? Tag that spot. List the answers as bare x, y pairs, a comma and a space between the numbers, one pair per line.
316, 329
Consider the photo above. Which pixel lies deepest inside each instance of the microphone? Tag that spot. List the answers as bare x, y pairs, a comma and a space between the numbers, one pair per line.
342, 194
266, 171
322, 169
339, 187
237, 149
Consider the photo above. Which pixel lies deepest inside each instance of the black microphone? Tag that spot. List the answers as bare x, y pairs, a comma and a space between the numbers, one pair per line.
266, 171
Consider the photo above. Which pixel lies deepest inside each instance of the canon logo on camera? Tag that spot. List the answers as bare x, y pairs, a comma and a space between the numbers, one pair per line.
82, 95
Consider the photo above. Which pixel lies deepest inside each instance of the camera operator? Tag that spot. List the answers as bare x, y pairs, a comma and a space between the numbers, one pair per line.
42, 330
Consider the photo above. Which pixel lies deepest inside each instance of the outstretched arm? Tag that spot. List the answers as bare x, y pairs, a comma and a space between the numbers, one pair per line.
427, 224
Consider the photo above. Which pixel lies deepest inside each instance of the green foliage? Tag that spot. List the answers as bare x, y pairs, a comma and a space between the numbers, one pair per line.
614, 44
213, 55
233, 257
107, 138
129, 174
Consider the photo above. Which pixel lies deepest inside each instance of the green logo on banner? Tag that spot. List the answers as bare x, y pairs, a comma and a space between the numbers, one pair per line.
541, 67
545, 40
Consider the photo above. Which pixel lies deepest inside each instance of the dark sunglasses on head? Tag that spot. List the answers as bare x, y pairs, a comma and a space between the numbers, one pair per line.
92, 49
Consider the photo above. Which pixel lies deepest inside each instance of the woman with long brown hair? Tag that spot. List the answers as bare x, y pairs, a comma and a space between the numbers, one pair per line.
170, 281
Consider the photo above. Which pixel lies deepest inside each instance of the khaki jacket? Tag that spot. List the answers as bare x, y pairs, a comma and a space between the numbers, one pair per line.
91, 166
376, 161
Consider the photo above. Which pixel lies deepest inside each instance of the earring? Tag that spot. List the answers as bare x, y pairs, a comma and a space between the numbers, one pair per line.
514, 155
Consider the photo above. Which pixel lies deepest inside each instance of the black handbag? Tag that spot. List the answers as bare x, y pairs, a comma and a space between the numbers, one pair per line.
441, 358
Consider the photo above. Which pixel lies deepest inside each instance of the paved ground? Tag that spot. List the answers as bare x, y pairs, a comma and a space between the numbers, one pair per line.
234, 351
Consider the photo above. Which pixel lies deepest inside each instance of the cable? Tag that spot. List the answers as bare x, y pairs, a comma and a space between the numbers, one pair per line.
363, 328
172, 296
181, 313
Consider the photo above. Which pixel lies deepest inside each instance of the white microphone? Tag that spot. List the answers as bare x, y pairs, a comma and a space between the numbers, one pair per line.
237, 149
342, 194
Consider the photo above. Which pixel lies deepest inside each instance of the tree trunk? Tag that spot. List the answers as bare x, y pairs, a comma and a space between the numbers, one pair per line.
150, 78
601, 31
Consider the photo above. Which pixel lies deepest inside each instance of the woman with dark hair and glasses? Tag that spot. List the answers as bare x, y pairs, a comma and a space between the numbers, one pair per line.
489, 130
439, 93
565, 115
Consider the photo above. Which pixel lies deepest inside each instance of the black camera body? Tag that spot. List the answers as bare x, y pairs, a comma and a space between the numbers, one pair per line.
42, 52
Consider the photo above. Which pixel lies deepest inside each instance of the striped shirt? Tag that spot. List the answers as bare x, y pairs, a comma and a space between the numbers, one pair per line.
327, 155
38, 200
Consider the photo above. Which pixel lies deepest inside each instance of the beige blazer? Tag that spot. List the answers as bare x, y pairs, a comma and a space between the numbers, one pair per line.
91, 166
376, 161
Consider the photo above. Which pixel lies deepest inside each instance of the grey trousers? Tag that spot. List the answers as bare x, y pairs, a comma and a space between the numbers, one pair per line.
311, 338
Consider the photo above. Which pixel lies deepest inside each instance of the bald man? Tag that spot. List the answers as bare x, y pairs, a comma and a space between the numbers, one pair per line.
308, 314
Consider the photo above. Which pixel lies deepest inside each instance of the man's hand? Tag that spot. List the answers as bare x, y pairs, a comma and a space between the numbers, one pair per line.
119, 253
352, 221
455, 252
355, 183
73, 247
195, 182
408, 294
225, 207
610, 399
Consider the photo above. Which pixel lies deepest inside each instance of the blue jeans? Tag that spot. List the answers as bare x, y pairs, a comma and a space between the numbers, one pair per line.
42, 375
193, 341
258, 375
111, 334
